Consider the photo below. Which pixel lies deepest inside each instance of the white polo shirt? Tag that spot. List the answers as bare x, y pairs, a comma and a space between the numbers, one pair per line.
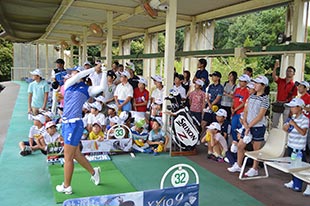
158, 94
180, 90
35, 132
95, 78
50, 139
123, 91
91, 118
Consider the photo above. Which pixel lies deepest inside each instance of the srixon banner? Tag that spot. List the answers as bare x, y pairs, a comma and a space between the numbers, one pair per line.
175, 196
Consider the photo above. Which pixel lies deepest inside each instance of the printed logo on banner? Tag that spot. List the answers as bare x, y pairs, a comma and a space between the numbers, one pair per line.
185, 131
187, 195
107, 145
131, 198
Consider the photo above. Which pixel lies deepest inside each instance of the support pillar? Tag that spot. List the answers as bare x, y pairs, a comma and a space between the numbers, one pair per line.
84, 51
120, 51
46, 62
171, 19
154, 49
109, 39
147, 62
126, 49
296, 26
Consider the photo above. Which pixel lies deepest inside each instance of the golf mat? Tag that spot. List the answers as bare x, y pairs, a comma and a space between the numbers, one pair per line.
145, 172
112, 181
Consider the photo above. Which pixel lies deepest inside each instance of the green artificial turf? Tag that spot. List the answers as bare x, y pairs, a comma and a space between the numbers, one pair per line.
112, 181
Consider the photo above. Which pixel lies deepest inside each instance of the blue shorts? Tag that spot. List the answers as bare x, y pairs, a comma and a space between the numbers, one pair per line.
258, 133
72, 132
126, 107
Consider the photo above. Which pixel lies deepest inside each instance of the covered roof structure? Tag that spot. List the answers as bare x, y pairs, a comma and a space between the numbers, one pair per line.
42, 21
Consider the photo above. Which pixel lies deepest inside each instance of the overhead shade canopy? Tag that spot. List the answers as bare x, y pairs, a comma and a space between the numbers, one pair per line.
54, 21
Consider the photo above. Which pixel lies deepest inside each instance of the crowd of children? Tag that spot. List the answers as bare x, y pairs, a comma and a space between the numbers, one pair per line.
232, 115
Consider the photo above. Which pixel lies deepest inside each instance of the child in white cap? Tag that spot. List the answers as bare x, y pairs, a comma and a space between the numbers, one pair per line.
27, 147
95, 116
297, 127
158, 140
218, 142
96, 133
50, 137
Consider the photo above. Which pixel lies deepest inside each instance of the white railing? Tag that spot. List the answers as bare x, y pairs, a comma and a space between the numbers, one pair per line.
19, 73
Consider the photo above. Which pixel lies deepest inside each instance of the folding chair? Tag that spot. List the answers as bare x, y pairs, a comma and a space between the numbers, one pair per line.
304, 175
273, 148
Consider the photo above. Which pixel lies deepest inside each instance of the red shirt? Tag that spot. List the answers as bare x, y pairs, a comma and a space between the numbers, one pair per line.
240, 96
140, 97
306, 98
286, 91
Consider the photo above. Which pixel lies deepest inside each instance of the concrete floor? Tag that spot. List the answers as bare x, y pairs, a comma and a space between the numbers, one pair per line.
7, 101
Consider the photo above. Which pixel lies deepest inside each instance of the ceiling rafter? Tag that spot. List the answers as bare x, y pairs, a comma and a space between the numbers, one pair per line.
102, 6
240, 8
65, 5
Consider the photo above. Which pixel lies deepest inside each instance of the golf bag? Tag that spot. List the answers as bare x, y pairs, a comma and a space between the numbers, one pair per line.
184, 126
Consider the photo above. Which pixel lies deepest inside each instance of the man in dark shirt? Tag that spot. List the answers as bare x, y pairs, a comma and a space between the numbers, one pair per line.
202, 73
133, 80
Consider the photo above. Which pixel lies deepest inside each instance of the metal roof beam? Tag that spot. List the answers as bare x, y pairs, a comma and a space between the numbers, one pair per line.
65, 5
240, 8
102, 6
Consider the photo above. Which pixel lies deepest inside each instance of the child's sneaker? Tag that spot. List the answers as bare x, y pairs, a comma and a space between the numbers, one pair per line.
96, 177
27, 151
251, 173
234, 168
63, 189
219, 159
289, 185
211, 156
307, 191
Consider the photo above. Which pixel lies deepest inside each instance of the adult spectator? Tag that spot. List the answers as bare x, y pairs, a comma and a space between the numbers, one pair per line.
178, 79
124, 93
115, 66
37, 93
286, 92
187, 80
202, 73
213, 99
58, 73
229, 88
57, 77
133, 79
248, 71
87, 65
96, 76
109, 92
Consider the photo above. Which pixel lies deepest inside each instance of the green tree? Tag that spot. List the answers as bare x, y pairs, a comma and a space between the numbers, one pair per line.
6, 59
254, 29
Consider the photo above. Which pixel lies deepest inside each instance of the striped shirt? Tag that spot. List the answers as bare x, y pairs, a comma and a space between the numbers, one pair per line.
295, 139
255, 104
